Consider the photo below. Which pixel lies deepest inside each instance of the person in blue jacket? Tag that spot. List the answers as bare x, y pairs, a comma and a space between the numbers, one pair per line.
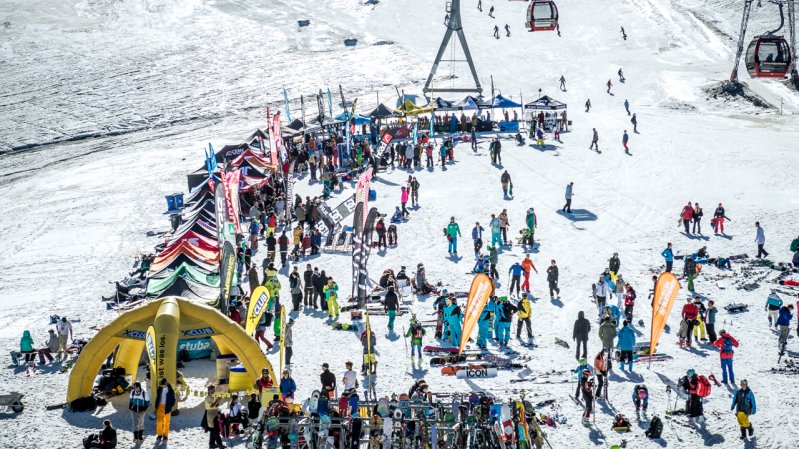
516, 271
579, 370
483, 322
453, 315
668, 256
784, 323
743, 403
287, 386
477, 237
626, 343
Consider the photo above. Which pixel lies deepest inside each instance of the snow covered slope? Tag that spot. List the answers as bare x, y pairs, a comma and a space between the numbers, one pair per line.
115, 99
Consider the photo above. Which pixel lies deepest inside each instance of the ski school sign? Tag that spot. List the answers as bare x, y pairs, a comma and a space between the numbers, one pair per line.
476, 373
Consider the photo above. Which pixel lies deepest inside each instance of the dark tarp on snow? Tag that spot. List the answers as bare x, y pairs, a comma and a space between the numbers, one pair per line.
545, 103
381, 111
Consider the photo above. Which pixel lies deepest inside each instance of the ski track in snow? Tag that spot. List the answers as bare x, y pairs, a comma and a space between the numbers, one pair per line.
116, 98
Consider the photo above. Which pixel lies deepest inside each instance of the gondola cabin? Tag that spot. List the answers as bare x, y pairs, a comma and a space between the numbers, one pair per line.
542, 16
768, 56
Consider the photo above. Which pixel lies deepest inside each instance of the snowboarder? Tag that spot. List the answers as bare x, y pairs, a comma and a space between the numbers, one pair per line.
567, 208
623, 34
524, 312
621, 76
477, 237
626, 345
491, 12
760, 240
627, 106
506, 183
718, 219
528, 265
587, 105
594, 141
496, 31
610, 84
552, 279
562, 83
634, 121
668, 257
507, 30
726, 343
516, 271
582, 327
624, 139
416, 332
453, 232
743, 403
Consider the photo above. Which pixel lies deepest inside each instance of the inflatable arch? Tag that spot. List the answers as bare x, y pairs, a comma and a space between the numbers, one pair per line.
167, 320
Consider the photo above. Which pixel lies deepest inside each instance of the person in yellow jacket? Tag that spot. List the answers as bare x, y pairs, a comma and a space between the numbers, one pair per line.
331, 290
524, 311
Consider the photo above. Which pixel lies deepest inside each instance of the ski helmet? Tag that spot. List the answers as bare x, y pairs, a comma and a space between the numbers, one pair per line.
582, 361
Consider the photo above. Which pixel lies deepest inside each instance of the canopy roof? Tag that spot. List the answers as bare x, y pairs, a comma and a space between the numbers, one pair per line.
545, 103
409, 108
501, 102
181, 258
359, 119
165, 279
381, 111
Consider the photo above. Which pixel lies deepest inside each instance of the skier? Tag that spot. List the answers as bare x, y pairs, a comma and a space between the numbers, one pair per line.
687, 215
624, 139
580, 334
718, 219
689, 271
634, 121
743, 403
760, 239
453, 316
507, 30
587, 386
562, 83
453, 232
416, 332
626, 345
391, 304
621, 76
627, 106
505, 312
629, 303
552, 279
496, 31
689, 313
623, 34
491, 12
594, 141
524, 312
480, 5
668, 257
567, 208
726, 343
587, 105
331, 297
582, 369
610, 84
528, 265
496, 232
477, 237
516, 271
506, 183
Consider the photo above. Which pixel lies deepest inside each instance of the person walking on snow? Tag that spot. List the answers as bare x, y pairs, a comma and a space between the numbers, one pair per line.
726, 343
505, 312
689, 313
610, 84
624, 139
743, 404
503, 225
634, 121
477, 237
480, 5
689, 271
582, 327
491, 12
416, 332
687, 215
496, 31
562, 83
506, 184
784, 324
453, 232
594, 141
404, 201
507, 30
621, 76
524, 312
760, 240
614, 263
601, 294
623, 34
626, 345
552, 279
496, 236
668, 257
516, 271
567, 208
391, 304
587, 105
528, 265
697, 217
627, 106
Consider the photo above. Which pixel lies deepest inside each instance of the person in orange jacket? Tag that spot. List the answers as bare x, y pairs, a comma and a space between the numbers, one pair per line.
527, 264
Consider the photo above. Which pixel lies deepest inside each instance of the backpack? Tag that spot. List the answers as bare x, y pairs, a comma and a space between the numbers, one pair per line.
703, 387
727, 344
417, 331
655, 428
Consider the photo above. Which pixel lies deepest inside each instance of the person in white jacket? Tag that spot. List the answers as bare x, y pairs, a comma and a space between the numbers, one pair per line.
601, 293
760, 239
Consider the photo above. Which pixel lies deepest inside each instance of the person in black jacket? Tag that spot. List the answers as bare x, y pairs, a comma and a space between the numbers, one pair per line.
307, 277
328, 380
391, 304
580, 334
552, 279
271, 242
319, 281
107, 439
718, 219
614, 263
380, 228
283, 243
295, 287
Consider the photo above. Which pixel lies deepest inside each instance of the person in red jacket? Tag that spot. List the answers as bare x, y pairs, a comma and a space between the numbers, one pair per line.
687, 215
726, 343
689, 314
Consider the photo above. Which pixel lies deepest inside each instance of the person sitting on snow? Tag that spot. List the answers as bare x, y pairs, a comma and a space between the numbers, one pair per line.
397, 217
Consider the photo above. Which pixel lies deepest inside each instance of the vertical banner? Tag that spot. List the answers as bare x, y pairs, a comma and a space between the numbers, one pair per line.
385, 139
288, 180
149, 345
279, 147
286, 103
231, 183
220, 210
366, 247
272, 151
259, 298
227, 270
415, 134
282, 337
478, 298
666, 290
357, 228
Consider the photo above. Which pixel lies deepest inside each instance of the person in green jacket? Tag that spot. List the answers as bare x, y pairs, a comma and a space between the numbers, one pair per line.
26, 346
416, 332
331, 290
453, 232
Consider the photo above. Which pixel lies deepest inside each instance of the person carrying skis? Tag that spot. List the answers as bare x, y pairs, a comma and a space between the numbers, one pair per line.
524, 312
582, 370
726, 343
689, 271
516, 271
331, 297
562, 83
689, 313
594, 141
454, 318
760, 240
505, 311
627, 106
528, 265
477, 237
506, 183
626, 345
453, 232
552, 280
718, 220
629, 303
609, 84
686, 216
416, 332
624, 139
567, 208
391, 304
743, 403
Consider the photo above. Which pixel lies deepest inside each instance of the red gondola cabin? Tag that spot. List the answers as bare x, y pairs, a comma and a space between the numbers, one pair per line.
768, 56
542, 15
